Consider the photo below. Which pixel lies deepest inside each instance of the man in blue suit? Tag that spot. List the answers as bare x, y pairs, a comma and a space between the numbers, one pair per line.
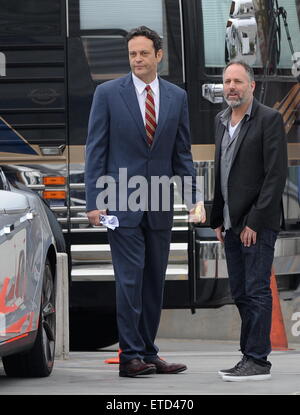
138, 134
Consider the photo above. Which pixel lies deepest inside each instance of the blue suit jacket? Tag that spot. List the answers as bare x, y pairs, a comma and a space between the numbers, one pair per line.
117, 140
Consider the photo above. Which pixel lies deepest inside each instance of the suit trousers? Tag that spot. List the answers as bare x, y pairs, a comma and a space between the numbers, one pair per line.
140, 259
249, 270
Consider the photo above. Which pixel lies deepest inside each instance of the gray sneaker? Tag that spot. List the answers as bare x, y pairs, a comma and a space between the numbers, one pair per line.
223, 372
249, 370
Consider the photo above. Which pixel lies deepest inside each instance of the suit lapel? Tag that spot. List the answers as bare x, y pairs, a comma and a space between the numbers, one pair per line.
164, 107
219, 135
240, 139
245, 127
128, 94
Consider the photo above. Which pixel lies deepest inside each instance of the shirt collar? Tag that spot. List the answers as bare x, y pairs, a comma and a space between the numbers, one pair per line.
140, 85
227, 113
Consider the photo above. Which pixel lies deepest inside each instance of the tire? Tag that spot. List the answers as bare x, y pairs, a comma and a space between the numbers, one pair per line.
56, 228
39, 360
91, 330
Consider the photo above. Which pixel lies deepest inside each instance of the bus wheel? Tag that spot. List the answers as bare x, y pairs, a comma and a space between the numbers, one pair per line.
92, 329
39, 360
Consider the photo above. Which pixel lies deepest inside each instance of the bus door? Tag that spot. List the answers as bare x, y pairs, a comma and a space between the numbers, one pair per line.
223, 31
33, 125
97, 53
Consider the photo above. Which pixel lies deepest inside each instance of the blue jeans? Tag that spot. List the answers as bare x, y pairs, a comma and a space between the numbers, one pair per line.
249, 270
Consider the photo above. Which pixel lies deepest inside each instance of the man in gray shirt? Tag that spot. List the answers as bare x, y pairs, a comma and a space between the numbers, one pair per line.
250, 174
227, 150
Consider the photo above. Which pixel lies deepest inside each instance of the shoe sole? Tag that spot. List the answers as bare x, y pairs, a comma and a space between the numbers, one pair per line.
148, 371
173, 372
220, 373
230, 378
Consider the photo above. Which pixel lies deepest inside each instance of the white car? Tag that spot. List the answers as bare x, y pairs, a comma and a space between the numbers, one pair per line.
27, 283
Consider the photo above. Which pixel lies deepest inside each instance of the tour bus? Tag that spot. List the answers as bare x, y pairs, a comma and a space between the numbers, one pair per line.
53, 54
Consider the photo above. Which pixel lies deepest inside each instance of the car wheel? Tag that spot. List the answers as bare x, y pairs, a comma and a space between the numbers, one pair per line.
39, 360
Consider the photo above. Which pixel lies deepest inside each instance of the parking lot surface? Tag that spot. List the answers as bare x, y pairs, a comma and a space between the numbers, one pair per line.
86, 373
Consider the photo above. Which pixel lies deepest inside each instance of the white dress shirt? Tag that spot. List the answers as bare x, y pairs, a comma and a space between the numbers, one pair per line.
141, 94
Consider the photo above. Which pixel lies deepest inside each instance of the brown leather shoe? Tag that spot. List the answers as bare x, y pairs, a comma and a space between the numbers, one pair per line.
136, 367
167, 368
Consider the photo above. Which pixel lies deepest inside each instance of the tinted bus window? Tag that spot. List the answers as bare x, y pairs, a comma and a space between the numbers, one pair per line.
222, 19
105, 14
104, 25
30, 18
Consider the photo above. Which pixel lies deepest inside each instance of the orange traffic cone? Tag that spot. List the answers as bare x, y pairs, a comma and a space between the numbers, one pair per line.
114, 359
278, 334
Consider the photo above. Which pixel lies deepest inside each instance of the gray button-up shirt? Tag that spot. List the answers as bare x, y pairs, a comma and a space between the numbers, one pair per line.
227, 150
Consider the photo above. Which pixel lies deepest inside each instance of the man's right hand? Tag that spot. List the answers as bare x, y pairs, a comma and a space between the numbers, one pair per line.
219, 234
94, 216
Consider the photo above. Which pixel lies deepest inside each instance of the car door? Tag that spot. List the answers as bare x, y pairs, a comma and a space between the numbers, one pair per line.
16, 313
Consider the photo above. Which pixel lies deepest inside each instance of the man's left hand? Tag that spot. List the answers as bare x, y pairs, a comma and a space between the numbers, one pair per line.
248, 236
197, 214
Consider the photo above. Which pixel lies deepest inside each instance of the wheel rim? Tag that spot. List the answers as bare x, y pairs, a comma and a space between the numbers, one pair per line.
48, 316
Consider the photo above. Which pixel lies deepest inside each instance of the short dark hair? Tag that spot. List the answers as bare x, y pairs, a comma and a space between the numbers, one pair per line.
245, 65
149, 33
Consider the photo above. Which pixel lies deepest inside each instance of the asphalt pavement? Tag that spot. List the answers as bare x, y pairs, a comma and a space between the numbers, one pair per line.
86, 373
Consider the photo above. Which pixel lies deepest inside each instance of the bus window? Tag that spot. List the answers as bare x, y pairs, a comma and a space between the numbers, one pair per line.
294, 26
215, 14
245, 32
103, 26
30, 18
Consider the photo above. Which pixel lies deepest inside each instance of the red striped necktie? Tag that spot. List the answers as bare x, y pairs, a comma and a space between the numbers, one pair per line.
150, 115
